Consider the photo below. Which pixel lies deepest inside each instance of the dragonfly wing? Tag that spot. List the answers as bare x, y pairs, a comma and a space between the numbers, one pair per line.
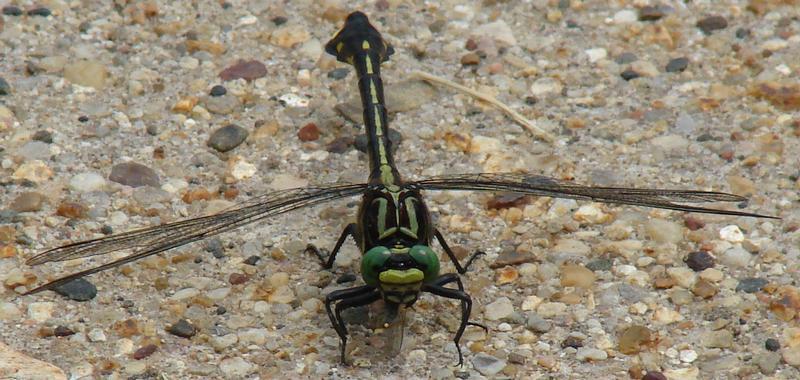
151, 240
550, 187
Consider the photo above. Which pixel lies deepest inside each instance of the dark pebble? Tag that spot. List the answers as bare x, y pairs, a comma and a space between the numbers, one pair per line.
699, 261
145, 351
395, 138
183, 329
247, 70
218, 91
742, 33
653, 12
751, 284
573, 342
214, 247
345, 278
340, 145
706, 137
653, 375
134, 175
63, 331
83, 118
5, 88
599, 264
252, 260
626, 57
237, 278
221, 310
772, 344
40, 11
106, 229
279, 20
77, 290
339, 73
227, 137
43, 136
127, 304
712, 23
677, 65
153, 129
629, 74
10, 10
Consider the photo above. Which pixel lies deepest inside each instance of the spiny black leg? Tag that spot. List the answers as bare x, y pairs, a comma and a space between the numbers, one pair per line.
352, 297
327, 263
452, 256
466, 309
452, 277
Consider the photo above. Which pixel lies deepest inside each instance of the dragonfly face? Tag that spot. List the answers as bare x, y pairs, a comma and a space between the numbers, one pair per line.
399, 272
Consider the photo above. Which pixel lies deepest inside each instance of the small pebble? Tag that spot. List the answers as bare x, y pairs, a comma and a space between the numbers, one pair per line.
252, 260
573, 342
625, 16
654, 375
247, 70
29, 201
500, 308
751, 285
183, 329
237, 278
5, 88
677, 65
718, 339
9, 311
214, 246
629, 74
77, 290
653, 12
134, 174
227, 138
87, 73
587, 354
626, 57
145, 351
96, 335
732, 234
63, 331
346, 278
41, 311
43, 136
487, 365
634, 339
767, 362
309, 132
736, 257
11, 10
222, 105
772, 344
538, 324
712, 23
235, 367
339, 73
699, 261
39, 11
218, 90
87, 182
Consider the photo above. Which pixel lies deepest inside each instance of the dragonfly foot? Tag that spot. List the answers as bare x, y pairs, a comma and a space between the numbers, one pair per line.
311, 248
472, 258
476, 324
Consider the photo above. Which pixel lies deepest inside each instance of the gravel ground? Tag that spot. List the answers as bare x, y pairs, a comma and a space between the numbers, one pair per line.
110, 120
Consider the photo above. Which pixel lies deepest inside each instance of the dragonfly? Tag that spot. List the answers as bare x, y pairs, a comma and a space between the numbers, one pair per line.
393, 228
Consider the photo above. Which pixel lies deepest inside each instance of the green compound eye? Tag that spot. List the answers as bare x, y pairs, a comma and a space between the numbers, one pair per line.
372, 263
424, 255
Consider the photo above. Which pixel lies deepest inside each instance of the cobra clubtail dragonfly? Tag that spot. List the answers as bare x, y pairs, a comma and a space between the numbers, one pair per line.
394, 230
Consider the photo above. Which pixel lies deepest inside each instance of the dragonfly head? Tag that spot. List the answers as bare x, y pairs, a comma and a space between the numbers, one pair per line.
399, 272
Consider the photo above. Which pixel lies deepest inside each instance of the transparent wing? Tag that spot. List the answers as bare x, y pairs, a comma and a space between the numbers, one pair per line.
551, 187
151, 240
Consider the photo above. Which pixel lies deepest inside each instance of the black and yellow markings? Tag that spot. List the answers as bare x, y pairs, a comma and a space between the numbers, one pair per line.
411, 230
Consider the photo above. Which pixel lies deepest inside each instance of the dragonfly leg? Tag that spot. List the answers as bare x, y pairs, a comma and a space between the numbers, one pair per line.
327, 263
345, 299
449, 278
460, 269
436, 288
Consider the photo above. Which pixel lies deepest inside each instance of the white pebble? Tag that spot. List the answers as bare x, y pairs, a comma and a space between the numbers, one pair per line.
184, 294
96, 335
9, 312
731, 233
504, 327
86, 182
531, 303
687, 356
590, 354
596, 54
551, 309
736, 257
625, 16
